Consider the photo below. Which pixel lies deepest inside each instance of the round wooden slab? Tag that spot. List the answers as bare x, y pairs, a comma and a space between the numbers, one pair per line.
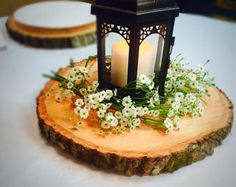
70, 25
143, 151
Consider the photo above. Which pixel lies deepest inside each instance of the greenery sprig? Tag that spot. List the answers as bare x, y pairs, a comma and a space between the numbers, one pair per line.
184, 91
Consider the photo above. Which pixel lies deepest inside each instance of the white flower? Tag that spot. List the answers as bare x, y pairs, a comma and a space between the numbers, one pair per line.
171, 113
77, 110
93, 98
79, 77
195, 114
126, 112
84, 113
168, 123
86, 100
58, 98
108, 105
145, 111
176, 120
144, 79
127, 101
75, 69
70, 77
123, 122
151, 102
101, 96
105, 125
95, 84
179, 83
111, 120
69, 85
135, 122
83, 91
190, 98
79, 102
179, 95
175, 105
168, 86
115, 92
193, 84
192, 76
101, 113
151, 86
109, 94
83, 70
156, 113
90, 89
94, 105
118, 115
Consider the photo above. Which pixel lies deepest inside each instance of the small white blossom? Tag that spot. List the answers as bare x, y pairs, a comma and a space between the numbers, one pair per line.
105, 125
145, 111
101, 96
79, 102
58, 98
135, 122
90, 89
79, 77
151, 86
111, 120
95, 84
144, 79
118, 115
179, 96
69, 85
109, 94
75, 69
71, 77
176, 104
176, 120
180, 84
127, 101
101, 113
108, 105
115, 92
83, 91
94, 98
83, 70
192, 76
84, 113
77, 110
168, 123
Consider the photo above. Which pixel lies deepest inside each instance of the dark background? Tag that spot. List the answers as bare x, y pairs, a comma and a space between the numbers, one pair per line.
223, 9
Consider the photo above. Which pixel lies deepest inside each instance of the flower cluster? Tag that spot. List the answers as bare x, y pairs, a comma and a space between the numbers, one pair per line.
184, 89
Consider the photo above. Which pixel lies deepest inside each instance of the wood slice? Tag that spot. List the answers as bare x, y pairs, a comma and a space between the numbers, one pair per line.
51, 38
144, 151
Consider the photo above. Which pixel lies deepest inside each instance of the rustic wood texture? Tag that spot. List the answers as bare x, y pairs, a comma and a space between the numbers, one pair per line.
52, 38
144, 151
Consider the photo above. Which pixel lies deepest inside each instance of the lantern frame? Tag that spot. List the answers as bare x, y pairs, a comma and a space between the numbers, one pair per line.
135, 20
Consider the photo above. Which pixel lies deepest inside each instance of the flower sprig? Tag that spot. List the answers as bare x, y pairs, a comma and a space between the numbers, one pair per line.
184, 91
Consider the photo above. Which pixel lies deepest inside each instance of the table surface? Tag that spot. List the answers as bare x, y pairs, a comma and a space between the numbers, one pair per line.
26, 159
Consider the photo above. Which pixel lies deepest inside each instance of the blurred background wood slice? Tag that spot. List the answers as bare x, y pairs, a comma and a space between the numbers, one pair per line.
57, 24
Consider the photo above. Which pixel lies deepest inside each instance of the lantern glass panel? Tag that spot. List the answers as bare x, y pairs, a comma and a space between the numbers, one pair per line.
118, 49
151, 58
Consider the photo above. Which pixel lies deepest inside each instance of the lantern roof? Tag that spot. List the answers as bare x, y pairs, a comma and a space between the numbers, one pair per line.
135, 11
135, 5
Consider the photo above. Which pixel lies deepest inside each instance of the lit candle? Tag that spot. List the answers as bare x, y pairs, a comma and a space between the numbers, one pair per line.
119, 59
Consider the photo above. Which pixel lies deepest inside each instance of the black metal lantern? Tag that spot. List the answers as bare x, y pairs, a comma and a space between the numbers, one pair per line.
135, 20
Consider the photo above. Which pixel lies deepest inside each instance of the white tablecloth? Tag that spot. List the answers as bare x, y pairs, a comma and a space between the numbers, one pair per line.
26, 159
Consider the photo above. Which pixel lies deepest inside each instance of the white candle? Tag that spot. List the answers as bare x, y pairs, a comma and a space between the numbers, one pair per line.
119, 59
